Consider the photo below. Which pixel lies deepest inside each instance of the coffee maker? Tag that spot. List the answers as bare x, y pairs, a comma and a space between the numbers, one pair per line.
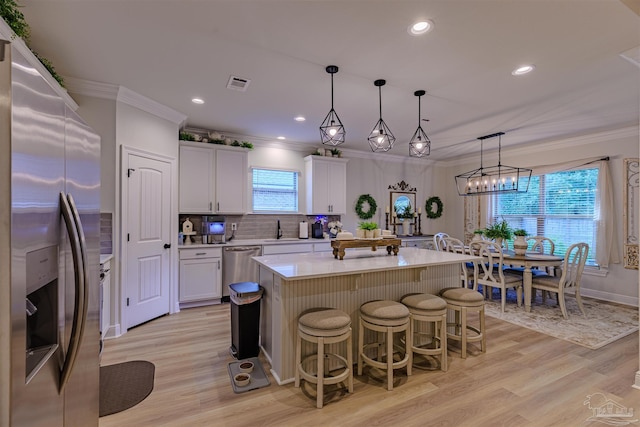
213, 229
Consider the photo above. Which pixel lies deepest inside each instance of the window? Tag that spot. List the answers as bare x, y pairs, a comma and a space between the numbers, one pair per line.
275, 190
559, 205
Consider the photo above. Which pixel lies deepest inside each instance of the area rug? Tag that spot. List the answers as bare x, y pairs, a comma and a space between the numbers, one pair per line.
124, 385
603, 324
258, 376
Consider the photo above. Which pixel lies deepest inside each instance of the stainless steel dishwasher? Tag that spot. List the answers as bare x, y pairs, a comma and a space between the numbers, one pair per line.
237, 266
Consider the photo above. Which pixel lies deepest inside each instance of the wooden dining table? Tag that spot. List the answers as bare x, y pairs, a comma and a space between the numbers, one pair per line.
529, 260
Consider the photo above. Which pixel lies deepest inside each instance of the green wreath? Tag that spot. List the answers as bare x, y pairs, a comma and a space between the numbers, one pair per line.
428, 207
372, 206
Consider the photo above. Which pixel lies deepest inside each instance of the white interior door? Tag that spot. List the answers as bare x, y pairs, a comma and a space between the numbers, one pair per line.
148, 228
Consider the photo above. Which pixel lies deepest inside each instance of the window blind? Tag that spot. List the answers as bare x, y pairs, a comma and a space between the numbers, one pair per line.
559, 205
275, 190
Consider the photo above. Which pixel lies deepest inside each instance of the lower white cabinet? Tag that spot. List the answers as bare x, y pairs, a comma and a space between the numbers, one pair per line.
105, 309
200, 274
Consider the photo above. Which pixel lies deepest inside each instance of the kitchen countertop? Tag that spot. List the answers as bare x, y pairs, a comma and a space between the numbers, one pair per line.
305, 265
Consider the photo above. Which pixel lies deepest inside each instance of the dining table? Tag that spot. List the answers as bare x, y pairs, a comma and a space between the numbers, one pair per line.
528, 261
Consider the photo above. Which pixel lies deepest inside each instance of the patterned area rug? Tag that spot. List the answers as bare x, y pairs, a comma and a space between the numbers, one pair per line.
604, 323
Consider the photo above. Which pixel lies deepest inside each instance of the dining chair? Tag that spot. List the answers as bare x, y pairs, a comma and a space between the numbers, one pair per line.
490, 273
572, 267
542, 245
438, 241
451, 244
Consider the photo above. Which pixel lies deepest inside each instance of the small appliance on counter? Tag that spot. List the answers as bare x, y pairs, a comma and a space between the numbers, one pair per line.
316, 230
213, 229
304, 230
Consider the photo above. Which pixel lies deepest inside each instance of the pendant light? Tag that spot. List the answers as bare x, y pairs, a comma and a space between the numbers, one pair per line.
420, 145
381, 138
493, 179
331, 130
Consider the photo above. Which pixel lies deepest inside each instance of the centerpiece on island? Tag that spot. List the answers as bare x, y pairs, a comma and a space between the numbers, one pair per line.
368, 230
334, 228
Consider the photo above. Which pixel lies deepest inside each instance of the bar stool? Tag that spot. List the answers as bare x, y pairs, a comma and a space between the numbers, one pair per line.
432, 309
324, 326
462, 300
387, 317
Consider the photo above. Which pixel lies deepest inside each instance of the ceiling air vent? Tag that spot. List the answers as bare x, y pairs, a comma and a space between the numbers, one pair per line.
238, 83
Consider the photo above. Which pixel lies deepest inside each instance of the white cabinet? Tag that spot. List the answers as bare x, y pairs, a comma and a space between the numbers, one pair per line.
213, 179
105, 297
231, 181
326, 185
197, 190
200, 274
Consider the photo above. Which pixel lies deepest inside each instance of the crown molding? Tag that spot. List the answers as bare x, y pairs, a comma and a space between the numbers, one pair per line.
134, 99
573, 141
92, 89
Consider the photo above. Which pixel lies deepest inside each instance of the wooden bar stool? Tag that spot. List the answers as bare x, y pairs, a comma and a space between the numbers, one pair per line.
462, 300
431, 309
387, 317
324, 326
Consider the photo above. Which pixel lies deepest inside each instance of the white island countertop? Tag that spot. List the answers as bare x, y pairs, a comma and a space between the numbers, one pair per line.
310, 265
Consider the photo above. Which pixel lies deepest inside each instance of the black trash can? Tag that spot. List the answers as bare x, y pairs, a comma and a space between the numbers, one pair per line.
245, 319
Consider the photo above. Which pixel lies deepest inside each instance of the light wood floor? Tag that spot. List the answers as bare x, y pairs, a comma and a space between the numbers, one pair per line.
525, 379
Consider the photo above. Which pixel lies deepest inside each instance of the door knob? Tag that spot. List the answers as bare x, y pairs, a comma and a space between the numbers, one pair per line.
167, 245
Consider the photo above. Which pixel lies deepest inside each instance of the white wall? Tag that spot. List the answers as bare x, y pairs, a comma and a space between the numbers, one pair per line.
620, 284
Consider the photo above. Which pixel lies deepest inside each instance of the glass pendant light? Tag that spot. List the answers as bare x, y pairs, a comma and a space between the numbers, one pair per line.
381, 138
331, 130
420, 145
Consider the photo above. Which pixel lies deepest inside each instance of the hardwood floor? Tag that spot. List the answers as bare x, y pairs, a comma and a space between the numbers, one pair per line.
525, 379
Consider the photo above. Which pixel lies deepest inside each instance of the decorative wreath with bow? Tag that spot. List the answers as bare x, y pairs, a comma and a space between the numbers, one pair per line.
366, 198
428, 207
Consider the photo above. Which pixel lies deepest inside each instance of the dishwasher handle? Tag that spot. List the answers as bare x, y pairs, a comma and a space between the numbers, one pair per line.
241, 248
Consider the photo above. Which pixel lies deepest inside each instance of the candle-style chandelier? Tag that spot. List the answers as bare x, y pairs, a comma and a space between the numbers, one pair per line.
493, 179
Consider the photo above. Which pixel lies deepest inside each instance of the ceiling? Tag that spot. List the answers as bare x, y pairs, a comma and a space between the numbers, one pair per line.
174, 50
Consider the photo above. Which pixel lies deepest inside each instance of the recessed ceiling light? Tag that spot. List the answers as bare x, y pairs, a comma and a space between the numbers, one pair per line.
420, 27
281, 137
523, 70
299, 119
197, 101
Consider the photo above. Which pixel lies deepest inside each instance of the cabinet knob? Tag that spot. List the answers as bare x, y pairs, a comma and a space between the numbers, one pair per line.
167, 245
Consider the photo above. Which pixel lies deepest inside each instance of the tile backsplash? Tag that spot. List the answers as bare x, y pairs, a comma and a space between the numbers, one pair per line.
106, 233
259, 226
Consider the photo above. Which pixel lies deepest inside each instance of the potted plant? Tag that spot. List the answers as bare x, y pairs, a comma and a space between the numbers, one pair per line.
367, 229
477, 234
520, 243
335, 152
498, 231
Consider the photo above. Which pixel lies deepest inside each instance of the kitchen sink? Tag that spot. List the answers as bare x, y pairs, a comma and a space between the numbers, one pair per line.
284, 239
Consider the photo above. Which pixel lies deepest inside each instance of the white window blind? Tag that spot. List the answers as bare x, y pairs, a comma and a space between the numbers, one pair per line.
275, 190
559, 205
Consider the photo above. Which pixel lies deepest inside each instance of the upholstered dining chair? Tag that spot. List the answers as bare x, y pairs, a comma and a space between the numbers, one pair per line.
438, 241
490, 273
451, 244
572, 267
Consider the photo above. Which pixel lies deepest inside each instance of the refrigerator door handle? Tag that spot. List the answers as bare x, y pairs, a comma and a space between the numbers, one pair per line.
79, 313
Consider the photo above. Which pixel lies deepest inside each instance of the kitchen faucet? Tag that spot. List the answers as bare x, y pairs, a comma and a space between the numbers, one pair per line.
278, 231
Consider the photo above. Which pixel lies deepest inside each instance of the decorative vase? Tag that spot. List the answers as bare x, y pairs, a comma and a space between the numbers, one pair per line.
368, 234
498, 241
376, 233
476, 237
520, 245
360, 233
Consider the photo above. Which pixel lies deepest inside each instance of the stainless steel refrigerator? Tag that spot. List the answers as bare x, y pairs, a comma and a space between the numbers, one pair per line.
49, 253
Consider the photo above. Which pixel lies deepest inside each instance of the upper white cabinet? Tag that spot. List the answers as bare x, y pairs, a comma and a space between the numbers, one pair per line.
326, 184
213, 179
231, 181
197, 190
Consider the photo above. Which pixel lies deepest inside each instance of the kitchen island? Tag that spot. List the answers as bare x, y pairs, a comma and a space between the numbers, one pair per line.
294, 283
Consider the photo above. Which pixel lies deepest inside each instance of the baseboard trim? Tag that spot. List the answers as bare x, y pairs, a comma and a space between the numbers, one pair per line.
608, 296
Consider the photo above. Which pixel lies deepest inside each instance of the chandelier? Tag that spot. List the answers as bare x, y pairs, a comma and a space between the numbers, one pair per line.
420, 145
493, 179
381, 138
331, 130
